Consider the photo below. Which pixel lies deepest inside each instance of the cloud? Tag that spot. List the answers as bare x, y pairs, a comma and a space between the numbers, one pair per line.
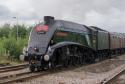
4, 12
113, 21
107, 14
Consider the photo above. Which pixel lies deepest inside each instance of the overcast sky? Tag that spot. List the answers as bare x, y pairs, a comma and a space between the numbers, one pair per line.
107, 14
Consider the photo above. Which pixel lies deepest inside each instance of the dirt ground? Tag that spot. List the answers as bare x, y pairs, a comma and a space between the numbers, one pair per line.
82, 75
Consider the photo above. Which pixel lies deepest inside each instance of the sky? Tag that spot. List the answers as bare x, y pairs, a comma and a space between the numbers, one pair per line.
106, 14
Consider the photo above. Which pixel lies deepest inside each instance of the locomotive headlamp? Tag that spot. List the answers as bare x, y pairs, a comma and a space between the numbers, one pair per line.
36, 49
46, 57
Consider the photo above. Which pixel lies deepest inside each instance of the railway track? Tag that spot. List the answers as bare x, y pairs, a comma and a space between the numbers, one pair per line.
113, 76
22, 77
12, 68
108, 82
119, 79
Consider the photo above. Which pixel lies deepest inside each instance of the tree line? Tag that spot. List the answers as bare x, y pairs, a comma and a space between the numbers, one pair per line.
11, 41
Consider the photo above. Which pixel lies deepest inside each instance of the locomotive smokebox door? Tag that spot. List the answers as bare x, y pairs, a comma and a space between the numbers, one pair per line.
48, 20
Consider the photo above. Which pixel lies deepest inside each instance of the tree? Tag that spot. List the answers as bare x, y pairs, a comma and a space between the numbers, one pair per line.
22, 31
5, 31
9, 43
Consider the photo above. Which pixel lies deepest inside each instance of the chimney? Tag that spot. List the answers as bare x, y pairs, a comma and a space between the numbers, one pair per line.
48, 20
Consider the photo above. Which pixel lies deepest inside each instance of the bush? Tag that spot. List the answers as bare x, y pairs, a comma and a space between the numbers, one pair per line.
14, 47
9, 45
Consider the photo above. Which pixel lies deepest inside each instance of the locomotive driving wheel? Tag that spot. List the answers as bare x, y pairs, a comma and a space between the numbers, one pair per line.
66, 55
90, 57
66, 63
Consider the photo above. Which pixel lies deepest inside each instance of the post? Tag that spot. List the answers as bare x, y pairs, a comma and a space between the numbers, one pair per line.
17, 27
